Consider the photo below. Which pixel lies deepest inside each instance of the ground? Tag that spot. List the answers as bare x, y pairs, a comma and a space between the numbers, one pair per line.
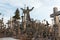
8, 38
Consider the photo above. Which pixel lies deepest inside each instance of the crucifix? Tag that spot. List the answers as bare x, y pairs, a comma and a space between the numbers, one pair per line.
26, 15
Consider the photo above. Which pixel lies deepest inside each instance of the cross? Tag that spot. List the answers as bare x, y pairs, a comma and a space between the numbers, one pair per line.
55, 15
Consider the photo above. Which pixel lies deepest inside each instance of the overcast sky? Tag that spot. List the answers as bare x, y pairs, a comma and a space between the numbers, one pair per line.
42, 8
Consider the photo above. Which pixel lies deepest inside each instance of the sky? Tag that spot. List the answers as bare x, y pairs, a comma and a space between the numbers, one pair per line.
42, 8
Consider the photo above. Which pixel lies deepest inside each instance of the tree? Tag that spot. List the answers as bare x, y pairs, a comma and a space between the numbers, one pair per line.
17, 15
16, 23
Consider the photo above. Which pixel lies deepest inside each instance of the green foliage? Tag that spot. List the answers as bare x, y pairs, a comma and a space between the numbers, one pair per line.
17, 15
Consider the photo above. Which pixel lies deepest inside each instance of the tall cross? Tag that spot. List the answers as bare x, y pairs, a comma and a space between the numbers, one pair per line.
55, 15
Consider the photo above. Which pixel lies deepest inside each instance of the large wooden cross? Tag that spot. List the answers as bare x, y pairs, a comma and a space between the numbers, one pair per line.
55, 15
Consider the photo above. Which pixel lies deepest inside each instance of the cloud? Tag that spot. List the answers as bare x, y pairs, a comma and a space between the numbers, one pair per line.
21, 3
46, 2
4, 1
16, 3
42, 10
34, 3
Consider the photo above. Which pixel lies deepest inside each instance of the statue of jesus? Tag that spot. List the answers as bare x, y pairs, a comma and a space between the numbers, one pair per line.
26, 11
